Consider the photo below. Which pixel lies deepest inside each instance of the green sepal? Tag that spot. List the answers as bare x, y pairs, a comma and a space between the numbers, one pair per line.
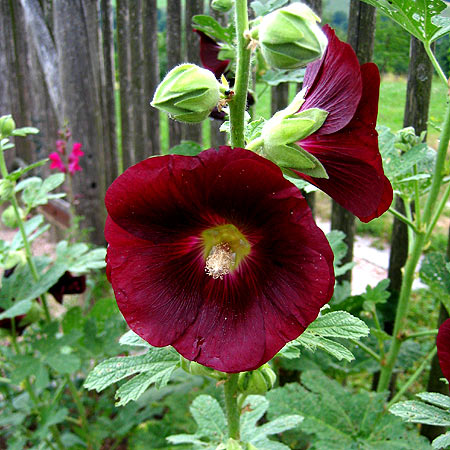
287, 129
292, 156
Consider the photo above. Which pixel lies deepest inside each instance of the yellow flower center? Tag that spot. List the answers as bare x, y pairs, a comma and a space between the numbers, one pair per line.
224, 249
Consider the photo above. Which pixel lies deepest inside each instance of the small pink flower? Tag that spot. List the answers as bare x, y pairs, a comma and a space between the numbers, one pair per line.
56, 162
74, 158
61, 146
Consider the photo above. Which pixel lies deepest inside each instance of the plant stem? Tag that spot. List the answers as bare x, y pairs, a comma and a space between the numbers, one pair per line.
401, 217
437, 213
239, 101
231, 406
421, 334
81, 410
413, 377
413, 258
368, 350
435, 63
26, 244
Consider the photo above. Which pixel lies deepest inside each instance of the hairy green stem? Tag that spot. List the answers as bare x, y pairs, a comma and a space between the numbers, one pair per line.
413, 258
239, 101
437, 213
413, 377
231, 406
26, 243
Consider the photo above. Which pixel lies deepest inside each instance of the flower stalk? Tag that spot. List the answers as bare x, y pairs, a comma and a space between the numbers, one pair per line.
238, 104
420, 239
30, 262
231, 406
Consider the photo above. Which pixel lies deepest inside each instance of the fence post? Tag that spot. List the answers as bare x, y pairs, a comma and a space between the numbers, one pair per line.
151, 75
123, 59
361, 35
174, 42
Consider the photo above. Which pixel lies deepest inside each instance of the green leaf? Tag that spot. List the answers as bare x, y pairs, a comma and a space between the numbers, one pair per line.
335, 349
336, 240
18, 309
153, 362
186, 148
132, 339
418, 412
24, 131
24, 366
339, 324
255, 407
209, 417
213, 29
434, 272
274, 77
442, 441
253, 129
339, 419
78, 258
262, 8
421, 18
435, 399
134, 388
13, 176
63, 363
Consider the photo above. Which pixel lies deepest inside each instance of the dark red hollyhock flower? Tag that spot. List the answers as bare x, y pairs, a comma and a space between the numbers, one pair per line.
217, 255
443, 348
347, 143
209, 52
68, 284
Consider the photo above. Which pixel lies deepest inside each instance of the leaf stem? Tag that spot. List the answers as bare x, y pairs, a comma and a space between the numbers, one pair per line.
413, 377
239, 101
403, 218
367, 349
231, 406
435, 63
421, 334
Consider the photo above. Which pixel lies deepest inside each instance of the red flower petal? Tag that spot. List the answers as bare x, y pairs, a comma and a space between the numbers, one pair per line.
352, 159
209, 52
334, 84
443, 348
158, 210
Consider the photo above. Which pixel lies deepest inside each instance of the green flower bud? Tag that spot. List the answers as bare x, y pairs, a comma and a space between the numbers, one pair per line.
222, 5
13, 258
188, 93
256, 382
290, 37
7, 125
195, 368
9, 217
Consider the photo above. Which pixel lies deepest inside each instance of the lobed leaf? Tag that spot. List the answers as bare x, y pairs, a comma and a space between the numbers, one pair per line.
421, 18
418, 412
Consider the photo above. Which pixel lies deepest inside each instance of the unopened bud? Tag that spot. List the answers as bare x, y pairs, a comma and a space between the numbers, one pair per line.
6, 189
188, 93
290, 37
256, 382
7, 126
194, 368
222, 5
9, 217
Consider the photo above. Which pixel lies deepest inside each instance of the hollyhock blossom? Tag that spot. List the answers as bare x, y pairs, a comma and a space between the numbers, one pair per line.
68, 284
73, 158
443, 348
217, 255
347, 143
209, 55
